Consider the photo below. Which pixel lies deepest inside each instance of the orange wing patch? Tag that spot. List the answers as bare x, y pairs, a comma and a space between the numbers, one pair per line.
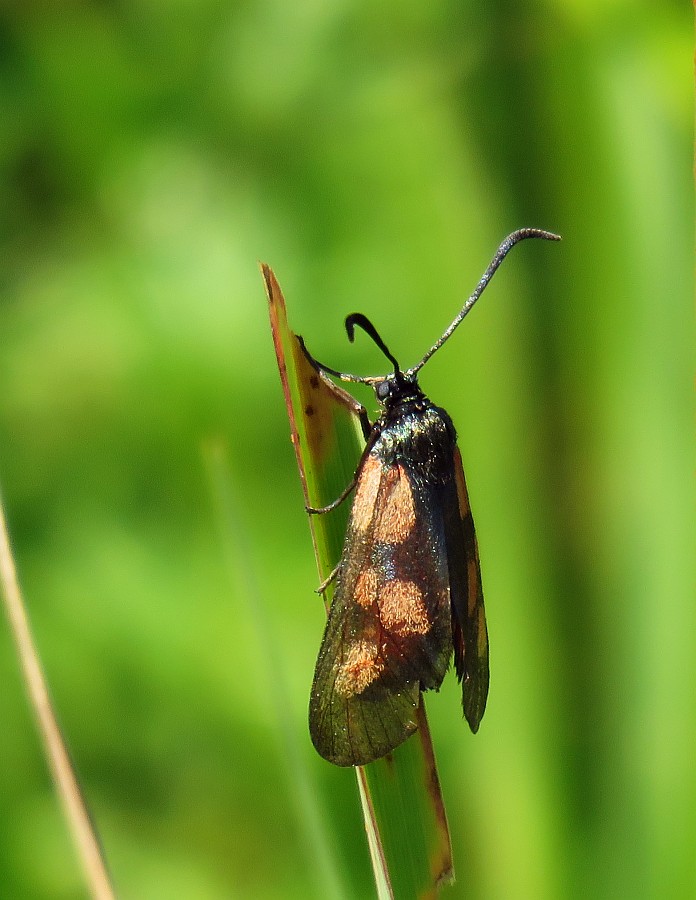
462, 494
474, 579
402, 610
359, 668
396, 517
366, 588
366, 493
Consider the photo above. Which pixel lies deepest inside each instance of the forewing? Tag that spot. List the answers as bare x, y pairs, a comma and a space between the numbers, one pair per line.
389, 632
469, 632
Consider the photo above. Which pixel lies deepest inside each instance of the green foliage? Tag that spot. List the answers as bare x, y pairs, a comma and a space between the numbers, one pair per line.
374, 155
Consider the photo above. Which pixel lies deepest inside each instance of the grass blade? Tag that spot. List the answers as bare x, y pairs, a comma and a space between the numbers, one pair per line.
83, 832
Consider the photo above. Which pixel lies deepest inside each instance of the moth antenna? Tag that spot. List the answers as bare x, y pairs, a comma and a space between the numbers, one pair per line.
363, 322
344, 376
500, 254
320, 367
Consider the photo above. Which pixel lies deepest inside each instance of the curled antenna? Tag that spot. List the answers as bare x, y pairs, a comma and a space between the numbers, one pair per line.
363, 322
500, 255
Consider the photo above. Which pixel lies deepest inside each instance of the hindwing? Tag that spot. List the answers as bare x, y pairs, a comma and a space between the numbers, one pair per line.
469, 632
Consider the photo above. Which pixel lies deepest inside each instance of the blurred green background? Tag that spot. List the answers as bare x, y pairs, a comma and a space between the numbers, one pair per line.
374, 155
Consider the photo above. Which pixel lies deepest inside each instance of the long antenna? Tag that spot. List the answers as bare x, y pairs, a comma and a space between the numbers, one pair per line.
500, 255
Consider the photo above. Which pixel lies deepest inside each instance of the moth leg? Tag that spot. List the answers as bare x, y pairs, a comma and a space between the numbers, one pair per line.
320, 510
365, 423
327, 581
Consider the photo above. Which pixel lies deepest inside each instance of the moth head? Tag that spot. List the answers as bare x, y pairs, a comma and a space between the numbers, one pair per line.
396, 388
389, 389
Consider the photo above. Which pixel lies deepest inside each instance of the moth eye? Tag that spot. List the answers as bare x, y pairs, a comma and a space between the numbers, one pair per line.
383, 390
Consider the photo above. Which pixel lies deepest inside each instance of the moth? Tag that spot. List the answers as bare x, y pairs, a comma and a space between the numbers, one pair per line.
408, 591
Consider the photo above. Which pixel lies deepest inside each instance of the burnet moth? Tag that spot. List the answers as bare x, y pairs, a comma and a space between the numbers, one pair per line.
408, 585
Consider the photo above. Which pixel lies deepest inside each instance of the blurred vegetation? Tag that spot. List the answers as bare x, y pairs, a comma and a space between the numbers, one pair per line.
374, 155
